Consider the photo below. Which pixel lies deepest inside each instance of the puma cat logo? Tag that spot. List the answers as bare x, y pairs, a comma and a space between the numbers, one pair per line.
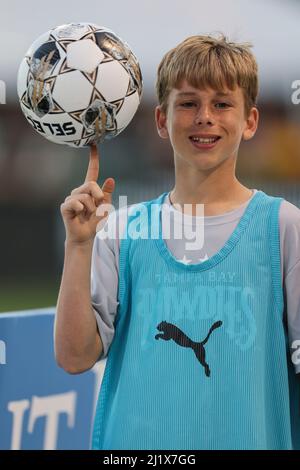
171, 331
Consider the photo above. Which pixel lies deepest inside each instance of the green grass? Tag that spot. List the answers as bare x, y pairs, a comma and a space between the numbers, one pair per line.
28, 294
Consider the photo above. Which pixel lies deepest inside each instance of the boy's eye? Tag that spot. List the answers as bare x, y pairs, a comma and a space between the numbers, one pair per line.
222, 105
188, 104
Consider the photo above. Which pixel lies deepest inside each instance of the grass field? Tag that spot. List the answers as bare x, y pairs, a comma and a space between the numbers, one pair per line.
28, 294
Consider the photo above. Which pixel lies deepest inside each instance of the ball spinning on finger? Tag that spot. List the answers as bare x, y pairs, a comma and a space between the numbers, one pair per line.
79, 84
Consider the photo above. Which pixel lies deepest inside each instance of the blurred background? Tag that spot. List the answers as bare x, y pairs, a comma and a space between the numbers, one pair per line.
36, 175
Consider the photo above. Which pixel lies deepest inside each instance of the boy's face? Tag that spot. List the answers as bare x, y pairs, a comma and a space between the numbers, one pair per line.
195, 114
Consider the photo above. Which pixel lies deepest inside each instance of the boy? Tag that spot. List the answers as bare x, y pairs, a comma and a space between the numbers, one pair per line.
197, 339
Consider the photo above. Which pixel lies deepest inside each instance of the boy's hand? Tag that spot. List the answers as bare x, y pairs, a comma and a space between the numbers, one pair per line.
79, 209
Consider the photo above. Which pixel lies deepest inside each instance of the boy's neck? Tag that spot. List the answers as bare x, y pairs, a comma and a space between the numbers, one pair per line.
217, 198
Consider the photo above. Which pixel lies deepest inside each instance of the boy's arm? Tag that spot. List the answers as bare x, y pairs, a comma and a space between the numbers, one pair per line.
76, 338
77, 341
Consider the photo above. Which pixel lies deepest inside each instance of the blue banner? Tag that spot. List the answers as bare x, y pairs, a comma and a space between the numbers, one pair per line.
41, 406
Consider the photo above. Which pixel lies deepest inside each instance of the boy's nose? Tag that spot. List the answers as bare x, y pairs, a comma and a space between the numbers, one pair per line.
203, 116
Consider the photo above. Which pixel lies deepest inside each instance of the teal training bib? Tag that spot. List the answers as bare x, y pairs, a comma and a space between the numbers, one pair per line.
200, 355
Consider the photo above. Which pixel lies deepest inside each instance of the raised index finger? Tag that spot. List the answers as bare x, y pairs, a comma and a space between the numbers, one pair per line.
93, 168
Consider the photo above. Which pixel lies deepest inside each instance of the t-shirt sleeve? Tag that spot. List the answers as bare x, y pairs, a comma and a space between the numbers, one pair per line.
292, 287
289, 218
104, 282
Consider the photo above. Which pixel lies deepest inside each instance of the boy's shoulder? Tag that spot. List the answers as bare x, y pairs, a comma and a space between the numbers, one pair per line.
289, 216
289, 227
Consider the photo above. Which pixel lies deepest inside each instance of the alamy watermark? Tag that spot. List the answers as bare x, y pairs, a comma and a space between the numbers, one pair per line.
296, 354
296, 94
145, 222
2, 92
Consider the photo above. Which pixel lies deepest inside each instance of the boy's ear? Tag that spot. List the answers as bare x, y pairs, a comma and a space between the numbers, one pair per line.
161, 123
251, 124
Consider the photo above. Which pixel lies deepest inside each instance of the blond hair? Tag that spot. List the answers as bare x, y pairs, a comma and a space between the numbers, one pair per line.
207, 61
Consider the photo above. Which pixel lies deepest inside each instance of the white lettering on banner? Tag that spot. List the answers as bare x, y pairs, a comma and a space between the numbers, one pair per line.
49, 407
2, 352
17, 408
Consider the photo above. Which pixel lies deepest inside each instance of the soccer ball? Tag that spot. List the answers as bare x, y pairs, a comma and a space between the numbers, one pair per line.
79, 84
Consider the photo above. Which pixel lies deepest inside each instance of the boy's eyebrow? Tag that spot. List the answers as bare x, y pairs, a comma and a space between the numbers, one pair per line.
222, 93
192, 93
186, 93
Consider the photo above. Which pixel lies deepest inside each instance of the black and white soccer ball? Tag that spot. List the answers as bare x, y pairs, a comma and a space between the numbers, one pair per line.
79, 84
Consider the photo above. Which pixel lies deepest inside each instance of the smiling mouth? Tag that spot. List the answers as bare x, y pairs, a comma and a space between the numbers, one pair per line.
204, 143
204, 140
